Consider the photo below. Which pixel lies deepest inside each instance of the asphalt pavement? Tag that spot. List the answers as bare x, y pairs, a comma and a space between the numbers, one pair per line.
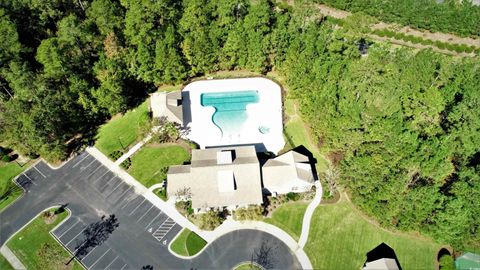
89, 190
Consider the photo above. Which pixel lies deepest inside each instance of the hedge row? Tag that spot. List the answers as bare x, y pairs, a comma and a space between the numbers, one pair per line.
459, 48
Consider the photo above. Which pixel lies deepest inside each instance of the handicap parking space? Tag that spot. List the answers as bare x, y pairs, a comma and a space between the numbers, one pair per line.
89, 191
137, 216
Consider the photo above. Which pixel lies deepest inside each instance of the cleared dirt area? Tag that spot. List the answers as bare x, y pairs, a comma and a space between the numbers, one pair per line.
435, 36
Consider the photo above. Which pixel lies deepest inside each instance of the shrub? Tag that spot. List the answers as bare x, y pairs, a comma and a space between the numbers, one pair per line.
292, 196
469, 49
446, 263
210, 220
440, 45
126, 163
253, 212
161, 193
115, 154
389, 34
184, 207
6, 158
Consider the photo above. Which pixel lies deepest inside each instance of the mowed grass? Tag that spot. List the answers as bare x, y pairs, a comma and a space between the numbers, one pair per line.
4, 264
340, 237
120, 133
26, 244
247, 266
8, 190
150, 163
188, 243
296, 134
289, 217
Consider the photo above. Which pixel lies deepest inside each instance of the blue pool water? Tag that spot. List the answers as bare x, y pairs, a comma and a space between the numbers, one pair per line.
230, 108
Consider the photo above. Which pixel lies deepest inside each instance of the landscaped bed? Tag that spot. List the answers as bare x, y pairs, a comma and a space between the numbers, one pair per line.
120, 133
149, 165
340, 236
37, 249
188, 243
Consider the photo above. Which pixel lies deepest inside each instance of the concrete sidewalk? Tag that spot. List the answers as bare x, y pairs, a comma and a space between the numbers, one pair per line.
11, 258
307, 217
209, 236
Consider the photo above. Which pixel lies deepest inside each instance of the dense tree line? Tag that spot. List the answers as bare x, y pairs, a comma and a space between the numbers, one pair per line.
406, 126
404, 123
450, 16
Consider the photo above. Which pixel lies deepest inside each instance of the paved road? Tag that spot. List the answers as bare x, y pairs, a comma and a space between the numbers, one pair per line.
90, 191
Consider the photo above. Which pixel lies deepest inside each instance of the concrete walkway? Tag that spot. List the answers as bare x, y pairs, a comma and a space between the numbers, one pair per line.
209, 236
307, 217
11, 258
132, 150
155, 186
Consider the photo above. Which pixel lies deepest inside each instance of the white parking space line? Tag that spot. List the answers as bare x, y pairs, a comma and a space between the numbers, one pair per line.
137, 207
89, 164
106, 267
101, 175
90, 252
104, 185
75, 165
99, 258
153, 219
123, 267
30, 179
75, 237
95, 170
138, 220
129, 201
68, 229
39, 172
121, 195
119, 184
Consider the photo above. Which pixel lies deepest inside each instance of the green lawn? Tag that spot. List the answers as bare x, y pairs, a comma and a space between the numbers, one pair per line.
26, 244
188, 243
289, 217
149, 163
119, 133
4, 264
296, 134
340, 237
8, 190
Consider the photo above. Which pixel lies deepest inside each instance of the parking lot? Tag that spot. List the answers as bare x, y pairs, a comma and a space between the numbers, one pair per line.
89, 190
136, 216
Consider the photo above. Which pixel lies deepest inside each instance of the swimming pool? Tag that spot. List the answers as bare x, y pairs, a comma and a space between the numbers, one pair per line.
230, 108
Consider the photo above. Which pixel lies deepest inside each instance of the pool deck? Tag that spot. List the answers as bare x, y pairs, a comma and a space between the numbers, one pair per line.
267, 112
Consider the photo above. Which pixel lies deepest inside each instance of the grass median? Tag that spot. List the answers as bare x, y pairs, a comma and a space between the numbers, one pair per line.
37, 249
188, 243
